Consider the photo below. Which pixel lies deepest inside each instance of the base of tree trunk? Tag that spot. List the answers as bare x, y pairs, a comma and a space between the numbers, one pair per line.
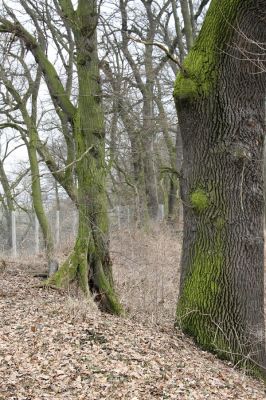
92, 279
209, 336
52, 266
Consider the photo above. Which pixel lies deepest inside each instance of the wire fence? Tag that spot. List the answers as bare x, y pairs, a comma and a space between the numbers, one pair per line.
24, 237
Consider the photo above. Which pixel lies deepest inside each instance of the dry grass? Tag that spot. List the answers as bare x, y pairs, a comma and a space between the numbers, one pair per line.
146, 272
145, 266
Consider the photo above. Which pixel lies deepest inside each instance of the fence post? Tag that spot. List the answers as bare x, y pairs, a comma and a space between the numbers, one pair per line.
57, 228
14, 234
161, 212
37, 237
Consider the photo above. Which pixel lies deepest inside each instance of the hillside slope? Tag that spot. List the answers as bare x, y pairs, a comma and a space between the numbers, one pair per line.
55, 347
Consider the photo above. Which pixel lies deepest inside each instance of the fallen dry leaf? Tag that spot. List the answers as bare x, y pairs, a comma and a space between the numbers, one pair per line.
55, 347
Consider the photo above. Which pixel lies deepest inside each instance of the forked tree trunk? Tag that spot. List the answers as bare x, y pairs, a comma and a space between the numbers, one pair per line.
220, 103
90, 261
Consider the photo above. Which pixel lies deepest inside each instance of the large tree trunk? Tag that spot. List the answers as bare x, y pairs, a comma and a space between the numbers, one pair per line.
220, 103
90, 260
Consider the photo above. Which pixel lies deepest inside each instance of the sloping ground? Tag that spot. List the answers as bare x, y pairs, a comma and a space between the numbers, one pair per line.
54, 347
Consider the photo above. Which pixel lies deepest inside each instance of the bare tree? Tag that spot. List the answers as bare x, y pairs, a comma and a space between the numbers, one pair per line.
89, 263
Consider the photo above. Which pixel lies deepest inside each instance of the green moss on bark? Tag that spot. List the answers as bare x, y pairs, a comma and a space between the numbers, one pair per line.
199, 200
89, 264
201, 293
111, 298
66, 274
201, 66
198, 311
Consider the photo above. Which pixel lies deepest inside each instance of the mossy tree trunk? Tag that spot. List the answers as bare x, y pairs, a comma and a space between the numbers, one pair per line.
90, 261
89, 264
37, 200
30, 138
32, 145
220, 96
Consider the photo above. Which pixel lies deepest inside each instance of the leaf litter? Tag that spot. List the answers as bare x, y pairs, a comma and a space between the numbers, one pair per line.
54, 346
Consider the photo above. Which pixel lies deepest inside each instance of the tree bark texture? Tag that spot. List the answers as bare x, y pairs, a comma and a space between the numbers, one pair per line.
90, 261
220, 100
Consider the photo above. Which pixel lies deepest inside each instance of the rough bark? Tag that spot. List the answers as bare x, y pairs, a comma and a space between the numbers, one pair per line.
220, 104
90, 261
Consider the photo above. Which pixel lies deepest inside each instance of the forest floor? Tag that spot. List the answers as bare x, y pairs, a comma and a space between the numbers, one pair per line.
54, 345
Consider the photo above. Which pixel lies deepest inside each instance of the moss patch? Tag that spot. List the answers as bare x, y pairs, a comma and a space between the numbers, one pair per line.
201, 293
199, 200
201, 67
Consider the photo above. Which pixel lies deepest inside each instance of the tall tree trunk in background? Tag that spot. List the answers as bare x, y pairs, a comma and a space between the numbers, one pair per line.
220, 97
90, 260
188, 28
8, 204
137, 161
38, 203
146, 88
138, 156
31, 141
173, 184
175, 206
147, 137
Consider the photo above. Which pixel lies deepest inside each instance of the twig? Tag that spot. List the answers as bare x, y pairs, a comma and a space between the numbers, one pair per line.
45, 285
162, 47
